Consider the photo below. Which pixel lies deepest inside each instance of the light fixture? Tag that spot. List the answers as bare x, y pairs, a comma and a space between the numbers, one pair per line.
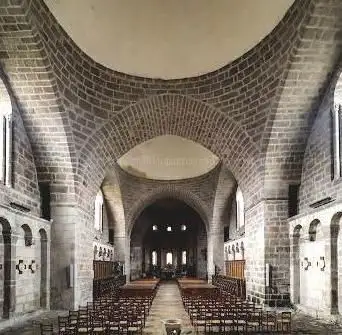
169, 228
154, 227
183, 227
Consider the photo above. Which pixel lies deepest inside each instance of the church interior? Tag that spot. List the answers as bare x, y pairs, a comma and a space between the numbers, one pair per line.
170, 167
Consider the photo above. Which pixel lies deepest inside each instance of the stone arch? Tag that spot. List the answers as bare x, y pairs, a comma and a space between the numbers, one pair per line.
112, 195
314, 229
95, 252
298, 96
225, 189
168, 192
242, 248
335, 263
169, 114
28, 237
43, 268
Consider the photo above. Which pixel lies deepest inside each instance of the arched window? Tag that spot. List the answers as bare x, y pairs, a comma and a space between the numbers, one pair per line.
6, 136
337, 130
240, 209
169, 258
184, 257
98, 223
154, 257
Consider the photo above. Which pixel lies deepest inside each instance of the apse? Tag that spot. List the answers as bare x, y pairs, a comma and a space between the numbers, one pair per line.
168, 240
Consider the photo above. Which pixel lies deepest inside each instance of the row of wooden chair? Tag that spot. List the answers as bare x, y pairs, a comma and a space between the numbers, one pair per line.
228, 313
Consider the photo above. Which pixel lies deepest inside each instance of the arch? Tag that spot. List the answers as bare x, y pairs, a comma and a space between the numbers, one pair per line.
169, 114
168, 192
242, 248
95, 252
297, 231
6, 135
28, 238
293, 108
314, 228
335, 266
114, 208
43, 268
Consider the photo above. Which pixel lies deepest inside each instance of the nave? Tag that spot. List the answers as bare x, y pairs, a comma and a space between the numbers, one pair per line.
171, 300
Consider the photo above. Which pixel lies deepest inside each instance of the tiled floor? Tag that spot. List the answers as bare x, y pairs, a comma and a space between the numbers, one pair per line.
166, 305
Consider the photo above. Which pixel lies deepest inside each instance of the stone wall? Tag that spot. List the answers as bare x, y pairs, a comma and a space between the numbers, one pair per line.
318, 258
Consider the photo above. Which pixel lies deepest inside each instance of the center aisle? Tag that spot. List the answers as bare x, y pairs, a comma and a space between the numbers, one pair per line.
167, 305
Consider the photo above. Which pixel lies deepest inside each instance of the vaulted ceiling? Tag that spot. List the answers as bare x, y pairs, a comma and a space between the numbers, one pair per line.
167, 39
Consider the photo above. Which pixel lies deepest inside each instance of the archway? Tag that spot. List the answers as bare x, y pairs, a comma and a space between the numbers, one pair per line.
168, 239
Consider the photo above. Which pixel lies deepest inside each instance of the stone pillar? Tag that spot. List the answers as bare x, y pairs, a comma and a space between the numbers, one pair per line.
63, 256
215, 251
10, 242
127, 259
255, 253
119, 248
328, 275
268, 247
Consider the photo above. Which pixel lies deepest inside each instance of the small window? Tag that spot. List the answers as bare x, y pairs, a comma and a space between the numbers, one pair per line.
184, 257
169, 258
169, 228
183, 227
6, 136
154, 257
240, 210
154, 227
98, 224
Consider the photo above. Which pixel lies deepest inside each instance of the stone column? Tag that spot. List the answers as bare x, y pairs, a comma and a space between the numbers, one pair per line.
268, 246
328, 269
10, 242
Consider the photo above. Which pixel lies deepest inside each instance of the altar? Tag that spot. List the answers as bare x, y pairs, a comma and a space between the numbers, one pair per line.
168, 272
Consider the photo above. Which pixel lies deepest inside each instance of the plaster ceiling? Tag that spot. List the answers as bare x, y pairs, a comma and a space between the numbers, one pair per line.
167, 38
168, 158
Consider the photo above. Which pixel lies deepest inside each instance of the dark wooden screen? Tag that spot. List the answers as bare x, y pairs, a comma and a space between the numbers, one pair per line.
103, 269
235, 269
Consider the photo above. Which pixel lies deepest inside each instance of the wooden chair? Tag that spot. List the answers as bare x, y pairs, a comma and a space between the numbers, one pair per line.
46, 329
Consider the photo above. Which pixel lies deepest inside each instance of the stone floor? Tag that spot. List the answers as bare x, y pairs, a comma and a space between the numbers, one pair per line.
166, 305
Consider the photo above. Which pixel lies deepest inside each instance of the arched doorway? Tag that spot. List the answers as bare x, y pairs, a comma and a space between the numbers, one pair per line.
168, 240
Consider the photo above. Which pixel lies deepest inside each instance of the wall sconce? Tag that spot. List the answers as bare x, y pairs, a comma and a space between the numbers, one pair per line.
321, 263
306, 264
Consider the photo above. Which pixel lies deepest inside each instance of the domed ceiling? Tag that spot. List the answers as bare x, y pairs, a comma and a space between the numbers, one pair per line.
167, 38
168, 158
